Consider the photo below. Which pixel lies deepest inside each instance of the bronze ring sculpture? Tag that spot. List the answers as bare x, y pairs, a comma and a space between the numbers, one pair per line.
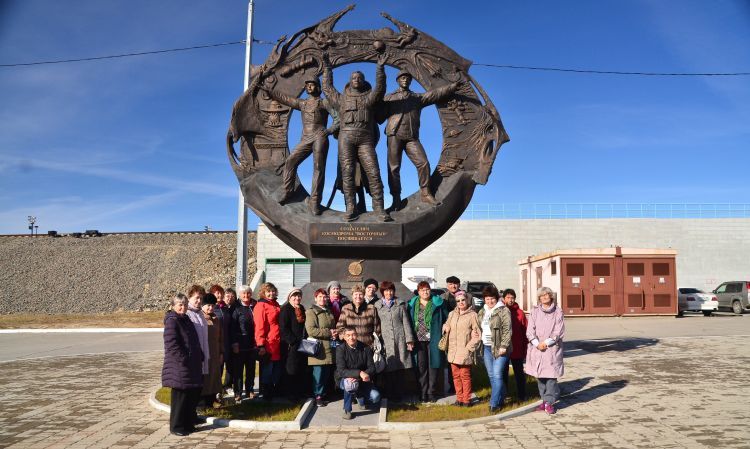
472, 136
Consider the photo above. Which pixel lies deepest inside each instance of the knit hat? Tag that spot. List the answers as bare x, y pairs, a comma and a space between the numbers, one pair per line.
453, 280
333, 284
209, 299
371, 281
292, 293
460, 293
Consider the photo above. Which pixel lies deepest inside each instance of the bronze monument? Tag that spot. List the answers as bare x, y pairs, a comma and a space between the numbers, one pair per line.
377, 243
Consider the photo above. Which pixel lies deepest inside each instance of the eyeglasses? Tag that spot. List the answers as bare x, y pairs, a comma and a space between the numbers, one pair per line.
461, 300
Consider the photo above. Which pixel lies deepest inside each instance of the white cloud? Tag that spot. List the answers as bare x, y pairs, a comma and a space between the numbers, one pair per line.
134, 177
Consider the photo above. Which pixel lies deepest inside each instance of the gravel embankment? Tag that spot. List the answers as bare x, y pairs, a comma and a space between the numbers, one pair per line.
127, 272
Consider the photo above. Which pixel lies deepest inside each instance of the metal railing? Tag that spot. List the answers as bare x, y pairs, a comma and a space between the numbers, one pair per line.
520, 211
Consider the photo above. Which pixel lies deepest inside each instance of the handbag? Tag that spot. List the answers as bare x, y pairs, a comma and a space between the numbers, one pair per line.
351, 385
309, 346
377, 354
443, 343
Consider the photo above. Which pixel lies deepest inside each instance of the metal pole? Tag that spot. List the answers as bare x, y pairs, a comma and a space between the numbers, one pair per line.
241, 269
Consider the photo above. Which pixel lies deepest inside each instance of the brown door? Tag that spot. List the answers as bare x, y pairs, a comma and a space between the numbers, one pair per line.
588, 286
573, 285
663, 286
525, 290
634, 282
538, 278
602, 287
649, 286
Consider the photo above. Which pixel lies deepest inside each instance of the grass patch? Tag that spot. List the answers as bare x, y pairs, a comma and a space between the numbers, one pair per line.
249, 410
481, 387
75, 320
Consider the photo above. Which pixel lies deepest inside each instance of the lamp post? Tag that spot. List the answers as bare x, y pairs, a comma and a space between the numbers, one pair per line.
241, 269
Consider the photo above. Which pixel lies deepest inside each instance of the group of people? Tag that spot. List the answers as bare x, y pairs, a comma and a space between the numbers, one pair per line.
363, 345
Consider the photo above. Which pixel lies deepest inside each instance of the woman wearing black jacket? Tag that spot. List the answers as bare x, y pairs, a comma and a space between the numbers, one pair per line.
182, 370
292, 327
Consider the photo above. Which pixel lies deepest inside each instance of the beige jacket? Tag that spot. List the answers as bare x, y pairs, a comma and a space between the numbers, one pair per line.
461, 344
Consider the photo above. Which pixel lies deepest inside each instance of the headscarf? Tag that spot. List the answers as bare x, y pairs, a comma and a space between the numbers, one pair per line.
298, 311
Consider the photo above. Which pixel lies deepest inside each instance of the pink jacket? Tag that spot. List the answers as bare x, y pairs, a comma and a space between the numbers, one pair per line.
549, 326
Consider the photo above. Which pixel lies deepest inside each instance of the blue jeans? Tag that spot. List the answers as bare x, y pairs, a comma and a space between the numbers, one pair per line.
495, 368
320, 374
365, 390
270, 372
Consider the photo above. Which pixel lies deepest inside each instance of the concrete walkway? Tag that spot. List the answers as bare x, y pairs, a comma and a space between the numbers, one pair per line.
330, 417
645, 391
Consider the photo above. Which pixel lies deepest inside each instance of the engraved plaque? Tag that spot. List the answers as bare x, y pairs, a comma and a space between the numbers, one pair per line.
356, 234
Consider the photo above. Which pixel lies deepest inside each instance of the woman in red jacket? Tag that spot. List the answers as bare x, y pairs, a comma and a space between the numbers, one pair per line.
268, 340
518, 323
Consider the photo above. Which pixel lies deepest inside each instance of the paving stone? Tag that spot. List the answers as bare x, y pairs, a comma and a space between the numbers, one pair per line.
674, 393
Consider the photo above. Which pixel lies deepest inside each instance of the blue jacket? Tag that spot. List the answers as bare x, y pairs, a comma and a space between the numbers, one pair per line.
183, 357
439, 315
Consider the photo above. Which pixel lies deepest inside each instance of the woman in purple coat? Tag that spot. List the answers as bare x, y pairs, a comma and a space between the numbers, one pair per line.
183, 367
544, 359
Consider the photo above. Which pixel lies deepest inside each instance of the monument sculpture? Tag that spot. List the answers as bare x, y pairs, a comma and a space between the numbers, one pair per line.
314, 140
351, 245
403, 108
359, 132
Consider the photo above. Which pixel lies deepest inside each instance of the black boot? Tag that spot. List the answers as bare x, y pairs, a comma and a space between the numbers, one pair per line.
397, 203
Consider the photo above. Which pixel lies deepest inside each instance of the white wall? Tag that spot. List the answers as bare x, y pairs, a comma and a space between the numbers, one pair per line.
270, 247
709, 251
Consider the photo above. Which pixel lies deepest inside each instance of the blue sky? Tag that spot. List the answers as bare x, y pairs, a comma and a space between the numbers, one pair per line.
137, 144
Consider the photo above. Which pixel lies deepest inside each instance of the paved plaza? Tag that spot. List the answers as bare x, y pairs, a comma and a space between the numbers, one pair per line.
629, 382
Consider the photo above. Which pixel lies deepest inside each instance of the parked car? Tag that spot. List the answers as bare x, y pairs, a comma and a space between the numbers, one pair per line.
733, 296
695, 300
474, 289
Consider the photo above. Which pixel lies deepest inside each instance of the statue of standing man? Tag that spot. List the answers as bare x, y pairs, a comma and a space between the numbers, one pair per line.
358, 133
314, 140
403, 109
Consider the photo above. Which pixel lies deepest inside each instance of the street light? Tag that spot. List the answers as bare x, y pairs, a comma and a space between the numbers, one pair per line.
32, 221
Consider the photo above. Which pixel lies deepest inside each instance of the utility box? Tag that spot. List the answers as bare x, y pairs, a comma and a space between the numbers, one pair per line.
604, 281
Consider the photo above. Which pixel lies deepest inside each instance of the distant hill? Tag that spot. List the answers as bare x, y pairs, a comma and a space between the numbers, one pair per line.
113, 272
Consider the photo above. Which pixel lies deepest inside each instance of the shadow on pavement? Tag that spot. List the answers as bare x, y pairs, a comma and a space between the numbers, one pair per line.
583, 347
571, 386
578, 396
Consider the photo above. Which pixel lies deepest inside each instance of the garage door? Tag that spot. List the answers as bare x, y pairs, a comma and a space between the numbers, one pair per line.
287, 274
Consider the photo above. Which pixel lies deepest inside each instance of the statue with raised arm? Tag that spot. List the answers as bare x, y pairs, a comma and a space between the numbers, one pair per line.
403, 108
314, 141
358, 133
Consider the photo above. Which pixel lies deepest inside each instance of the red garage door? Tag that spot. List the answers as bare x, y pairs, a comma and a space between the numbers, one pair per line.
588, 286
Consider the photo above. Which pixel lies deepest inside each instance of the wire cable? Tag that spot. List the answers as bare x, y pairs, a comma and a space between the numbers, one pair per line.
607, 72
263, 42
140, 53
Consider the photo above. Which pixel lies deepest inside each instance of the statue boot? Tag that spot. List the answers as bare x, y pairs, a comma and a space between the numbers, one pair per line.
286, 197
397, 203
351, 212
379, 210
313, 204
428, 198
